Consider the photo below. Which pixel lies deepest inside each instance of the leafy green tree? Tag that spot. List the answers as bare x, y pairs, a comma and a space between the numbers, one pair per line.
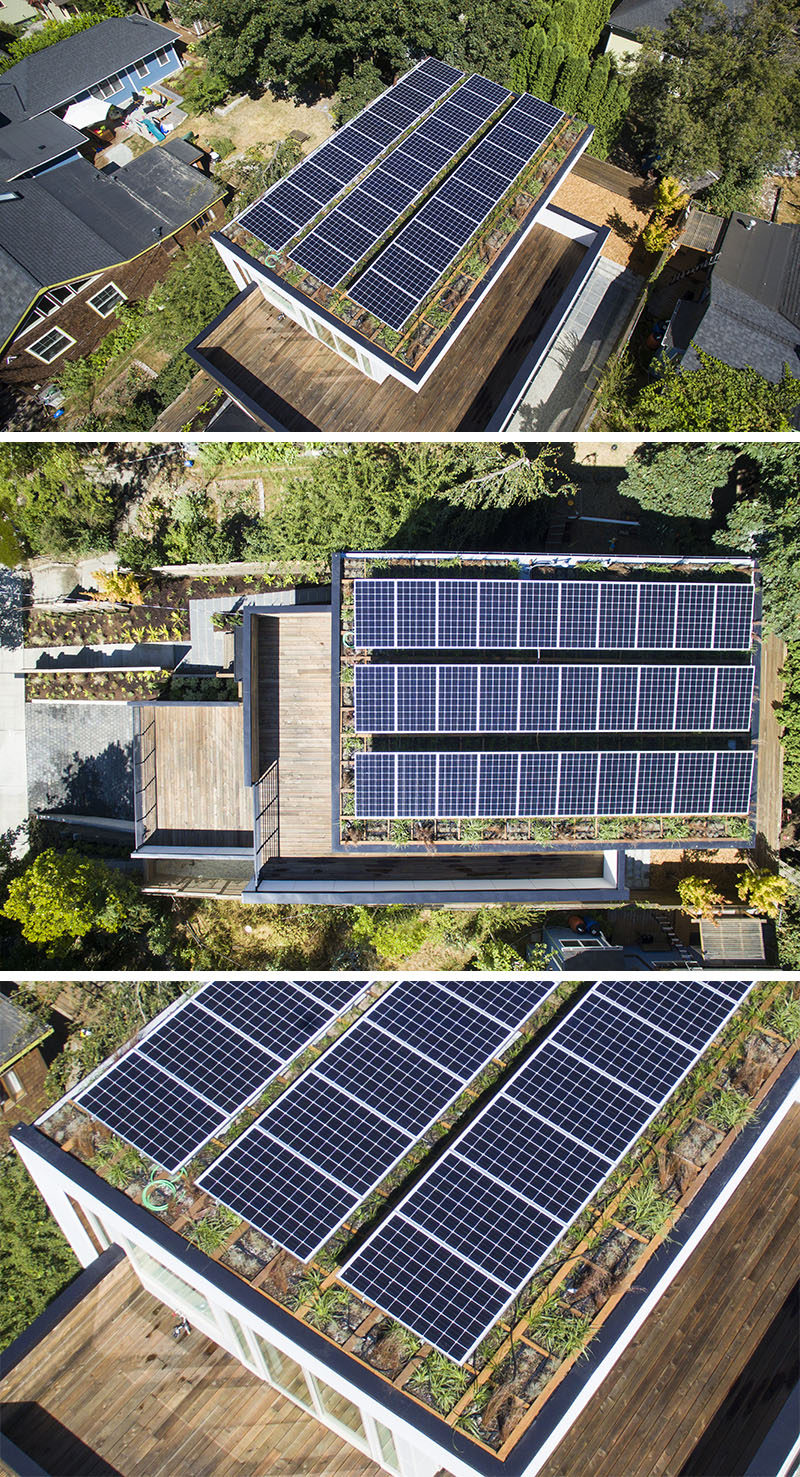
203, 93
764, 523
714, 397
678, 479
356, 90
763, 891
788, 714
262, 166
699, 897
63, 896
59, 497
718, 88
197, 288
36, 1261
53, 31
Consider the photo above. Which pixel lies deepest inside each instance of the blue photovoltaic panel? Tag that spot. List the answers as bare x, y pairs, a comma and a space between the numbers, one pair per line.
549, 615
465, 1239
419, 786
343, 157
149, 1109
404, 174
356, 1112
194, 1069
487, 172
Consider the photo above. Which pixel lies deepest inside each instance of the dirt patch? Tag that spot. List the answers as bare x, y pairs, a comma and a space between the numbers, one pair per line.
602, 208
263, 120
698, 1142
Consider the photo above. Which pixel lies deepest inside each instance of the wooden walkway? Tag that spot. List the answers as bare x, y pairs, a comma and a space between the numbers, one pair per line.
769, 805
110, 1391
305, 385
294, 726
651, 1412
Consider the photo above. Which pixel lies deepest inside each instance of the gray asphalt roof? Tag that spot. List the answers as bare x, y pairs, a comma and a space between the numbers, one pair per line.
18, 1030
34, 142
631, 16
58, 73
75, 220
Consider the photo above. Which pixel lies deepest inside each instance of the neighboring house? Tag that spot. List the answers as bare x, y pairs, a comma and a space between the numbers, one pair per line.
351, 770
413, 271
105, 65
740, 294
329, 1238
631, 17
22, 1066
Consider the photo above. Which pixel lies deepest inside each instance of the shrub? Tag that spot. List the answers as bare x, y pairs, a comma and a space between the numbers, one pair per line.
785, 1019
728, 1108
763, 891
699, 897
645, 1208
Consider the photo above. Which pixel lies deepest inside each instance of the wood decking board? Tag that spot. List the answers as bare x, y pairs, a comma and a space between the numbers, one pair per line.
201, 795
294, 725
653, 1408
113, 1378
297, 379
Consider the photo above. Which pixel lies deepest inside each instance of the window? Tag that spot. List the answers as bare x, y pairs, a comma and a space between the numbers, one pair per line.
172, 1288
284, 1373
387, 1446
105, 301
341, 1412
164, 57
107, 88
48, 348
142, 69
12, 1084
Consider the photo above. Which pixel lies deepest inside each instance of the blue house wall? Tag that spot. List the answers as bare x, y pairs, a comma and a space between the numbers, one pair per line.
151, 71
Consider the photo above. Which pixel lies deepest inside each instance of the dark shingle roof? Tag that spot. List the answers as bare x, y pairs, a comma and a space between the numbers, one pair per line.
57, 74
19, 1030
631, 16
73, 221
34, 142
182, 149
753, 315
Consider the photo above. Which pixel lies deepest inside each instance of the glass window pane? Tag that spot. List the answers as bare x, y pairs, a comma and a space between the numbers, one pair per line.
186, 1295
342, 1411
245, 1352
389, 1455
285, 1373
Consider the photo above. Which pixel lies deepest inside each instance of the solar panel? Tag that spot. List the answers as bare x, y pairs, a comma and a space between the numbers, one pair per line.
388, 283
332, 248
198, 1065
418, 786
359, 1109
280, 213
551, 615
462, 1243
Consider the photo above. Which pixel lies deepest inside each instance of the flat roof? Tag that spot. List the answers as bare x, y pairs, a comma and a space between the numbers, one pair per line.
392, 225
189, 775
656, 1032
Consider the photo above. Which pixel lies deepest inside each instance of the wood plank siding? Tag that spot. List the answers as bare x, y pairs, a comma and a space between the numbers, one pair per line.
110, 1391
303, 384
201, 796
652, 1411
294, 726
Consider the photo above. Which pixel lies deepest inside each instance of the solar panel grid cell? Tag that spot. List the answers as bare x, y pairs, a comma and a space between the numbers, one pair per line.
150, 1110
207, 1055
375, 1068
599, 1112
268, 1185
691, 1016
540, 1163
335, 1133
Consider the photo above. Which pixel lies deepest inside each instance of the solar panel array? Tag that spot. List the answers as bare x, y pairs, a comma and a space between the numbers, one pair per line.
416, 786
333, 1135
293, 203
551, 699
536, 614
196, 1069
351, 229
404, 272
460, 1246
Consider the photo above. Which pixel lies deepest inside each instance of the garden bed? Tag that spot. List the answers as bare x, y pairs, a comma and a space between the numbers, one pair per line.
124, 685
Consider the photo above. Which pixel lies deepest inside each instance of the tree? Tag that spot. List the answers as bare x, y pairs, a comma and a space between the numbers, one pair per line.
718, 88
678, 479
764, 523
63, 896
59, 497
788, 714
197, 288
262, 166
699, 897
36, 1262
715, 397
53, 31
763, 891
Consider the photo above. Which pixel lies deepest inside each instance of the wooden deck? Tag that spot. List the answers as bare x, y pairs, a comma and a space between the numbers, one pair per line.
201, 797
294, 726
110, 1391
303, 385
769, 803
652, 1411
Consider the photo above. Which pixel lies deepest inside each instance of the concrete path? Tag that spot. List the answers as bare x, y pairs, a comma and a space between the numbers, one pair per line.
13, 766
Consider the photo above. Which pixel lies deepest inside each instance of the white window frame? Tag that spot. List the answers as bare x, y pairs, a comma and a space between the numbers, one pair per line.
163, 56
141, 68
92, 301
13, 1083
31, 349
